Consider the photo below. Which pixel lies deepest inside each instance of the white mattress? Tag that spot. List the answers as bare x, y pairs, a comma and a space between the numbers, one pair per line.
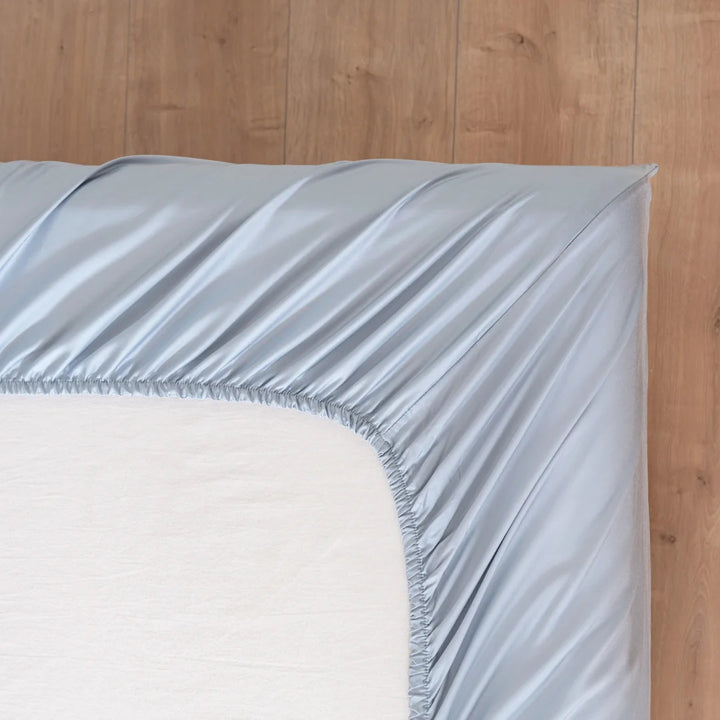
167, 558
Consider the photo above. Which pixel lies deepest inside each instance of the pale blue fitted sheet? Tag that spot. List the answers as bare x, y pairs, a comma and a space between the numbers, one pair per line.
481, 325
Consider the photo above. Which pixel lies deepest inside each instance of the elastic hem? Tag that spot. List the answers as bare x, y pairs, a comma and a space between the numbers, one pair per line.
419, 663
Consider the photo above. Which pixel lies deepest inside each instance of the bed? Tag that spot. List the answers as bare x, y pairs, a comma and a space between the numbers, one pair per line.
357, 440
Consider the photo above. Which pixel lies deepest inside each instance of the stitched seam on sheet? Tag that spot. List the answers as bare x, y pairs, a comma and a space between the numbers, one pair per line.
626, 191
359, 423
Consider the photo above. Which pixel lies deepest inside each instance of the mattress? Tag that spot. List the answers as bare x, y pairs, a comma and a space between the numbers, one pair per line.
467, 540
195, 559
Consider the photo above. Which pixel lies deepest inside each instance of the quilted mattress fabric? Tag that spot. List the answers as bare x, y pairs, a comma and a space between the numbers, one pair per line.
482, 326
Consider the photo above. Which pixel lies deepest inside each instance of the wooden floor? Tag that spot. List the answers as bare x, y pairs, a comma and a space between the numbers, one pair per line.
553, 81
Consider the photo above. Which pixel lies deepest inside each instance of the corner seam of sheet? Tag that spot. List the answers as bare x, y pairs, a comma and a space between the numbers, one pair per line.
639, 182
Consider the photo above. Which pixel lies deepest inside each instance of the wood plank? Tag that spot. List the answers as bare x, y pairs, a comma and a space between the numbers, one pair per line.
207, 79
62, 79
545, 83
371, 78
677, 125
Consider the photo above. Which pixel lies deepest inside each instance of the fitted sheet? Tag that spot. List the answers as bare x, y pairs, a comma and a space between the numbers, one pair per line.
165, 559
481, 326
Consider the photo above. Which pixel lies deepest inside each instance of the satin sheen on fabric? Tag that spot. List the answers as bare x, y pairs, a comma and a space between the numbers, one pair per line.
482, 326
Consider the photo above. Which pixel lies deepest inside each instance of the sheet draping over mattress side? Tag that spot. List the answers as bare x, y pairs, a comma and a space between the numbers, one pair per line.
481, 325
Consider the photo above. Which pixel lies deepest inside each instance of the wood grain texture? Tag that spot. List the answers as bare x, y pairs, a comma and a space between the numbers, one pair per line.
62, 79
678, 125
543, 82
371, 78
207, 79
546, 82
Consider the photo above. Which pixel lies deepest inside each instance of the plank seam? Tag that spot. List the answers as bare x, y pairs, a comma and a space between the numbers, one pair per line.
287, 83
455, 93
127, 74
635, 75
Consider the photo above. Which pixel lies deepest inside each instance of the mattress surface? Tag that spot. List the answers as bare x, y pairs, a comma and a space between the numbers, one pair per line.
481, 326
163, 559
